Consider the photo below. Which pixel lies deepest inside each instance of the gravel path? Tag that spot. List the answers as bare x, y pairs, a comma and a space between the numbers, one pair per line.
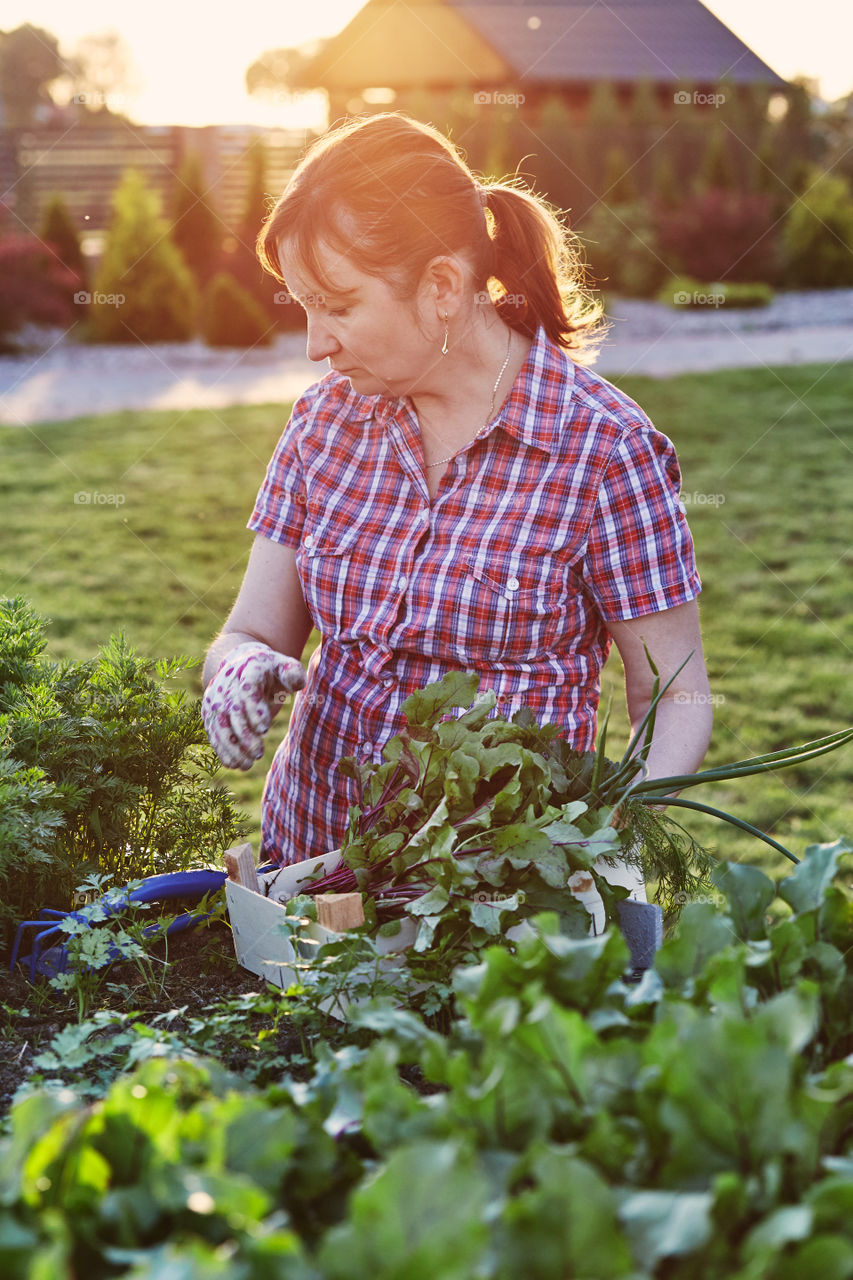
67, 380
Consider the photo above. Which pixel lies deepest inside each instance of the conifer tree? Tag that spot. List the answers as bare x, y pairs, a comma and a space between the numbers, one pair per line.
58, 230
242, 262
146, 290
604, 109
563, 172
619, 184
667, 190
196, 228
645, 108
256, 204
717, 171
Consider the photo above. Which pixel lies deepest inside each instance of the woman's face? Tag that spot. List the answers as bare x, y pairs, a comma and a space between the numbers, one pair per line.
362, 330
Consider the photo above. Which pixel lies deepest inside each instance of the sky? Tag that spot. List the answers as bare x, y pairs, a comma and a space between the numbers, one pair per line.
190, 64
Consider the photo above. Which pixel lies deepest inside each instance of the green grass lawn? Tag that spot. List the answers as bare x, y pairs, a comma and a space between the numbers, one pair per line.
159, 554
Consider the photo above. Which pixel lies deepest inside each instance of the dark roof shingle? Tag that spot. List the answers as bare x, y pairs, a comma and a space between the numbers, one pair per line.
409, 42
670, 40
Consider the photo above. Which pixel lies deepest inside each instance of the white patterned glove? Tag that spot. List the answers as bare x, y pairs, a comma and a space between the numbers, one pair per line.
237, 704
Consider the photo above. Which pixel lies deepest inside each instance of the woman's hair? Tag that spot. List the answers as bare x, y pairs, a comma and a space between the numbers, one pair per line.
390, 193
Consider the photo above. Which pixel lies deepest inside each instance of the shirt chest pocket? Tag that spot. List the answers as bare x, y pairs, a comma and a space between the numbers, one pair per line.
509, 612
324, 567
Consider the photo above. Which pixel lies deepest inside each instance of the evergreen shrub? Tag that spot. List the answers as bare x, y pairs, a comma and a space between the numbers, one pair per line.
144, 290
231, 317
818, 236
102, 770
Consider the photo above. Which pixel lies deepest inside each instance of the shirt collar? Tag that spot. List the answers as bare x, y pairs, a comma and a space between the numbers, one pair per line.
534, 410
545, 380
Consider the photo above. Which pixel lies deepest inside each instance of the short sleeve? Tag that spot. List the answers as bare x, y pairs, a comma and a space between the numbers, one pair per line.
279, 512
639, 557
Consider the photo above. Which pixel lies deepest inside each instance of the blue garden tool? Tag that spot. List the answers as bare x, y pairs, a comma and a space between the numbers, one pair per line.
641, 922
52, 959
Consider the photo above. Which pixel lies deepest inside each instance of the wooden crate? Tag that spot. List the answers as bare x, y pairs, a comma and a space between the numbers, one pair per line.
264, 944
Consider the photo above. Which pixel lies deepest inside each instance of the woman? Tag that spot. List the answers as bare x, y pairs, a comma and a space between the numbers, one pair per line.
458, 491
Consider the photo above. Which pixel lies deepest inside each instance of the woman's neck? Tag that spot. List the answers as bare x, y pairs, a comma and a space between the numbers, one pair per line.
468, 390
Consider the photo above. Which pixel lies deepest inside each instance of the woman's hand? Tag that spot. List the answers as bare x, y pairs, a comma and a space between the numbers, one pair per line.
237, 707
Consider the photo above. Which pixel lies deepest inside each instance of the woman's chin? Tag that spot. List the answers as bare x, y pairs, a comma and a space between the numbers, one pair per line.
366, 383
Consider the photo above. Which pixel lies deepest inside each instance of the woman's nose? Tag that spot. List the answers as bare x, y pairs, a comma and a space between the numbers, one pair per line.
320, 342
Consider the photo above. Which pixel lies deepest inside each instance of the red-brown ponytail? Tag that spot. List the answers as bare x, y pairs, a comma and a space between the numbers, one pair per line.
391, 193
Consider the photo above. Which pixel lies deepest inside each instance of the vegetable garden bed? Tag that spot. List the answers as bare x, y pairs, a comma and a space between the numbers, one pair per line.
694, 1127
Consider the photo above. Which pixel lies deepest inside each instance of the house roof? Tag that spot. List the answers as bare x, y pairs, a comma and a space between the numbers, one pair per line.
438, 42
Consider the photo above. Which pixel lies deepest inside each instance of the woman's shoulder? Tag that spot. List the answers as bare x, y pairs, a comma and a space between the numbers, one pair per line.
595, 394
586, 402
331, 401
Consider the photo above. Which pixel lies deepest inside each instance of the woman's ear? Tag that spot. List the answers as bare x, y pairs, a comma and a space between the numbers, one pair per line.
443, 285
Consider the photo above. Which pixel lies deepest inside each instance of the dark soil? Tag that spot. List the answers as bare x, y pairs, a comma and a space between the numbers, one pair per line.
202, 971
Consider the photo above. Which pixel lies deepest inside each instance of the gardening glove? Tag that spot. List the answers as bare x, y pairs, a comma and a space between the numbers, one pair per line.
237, 704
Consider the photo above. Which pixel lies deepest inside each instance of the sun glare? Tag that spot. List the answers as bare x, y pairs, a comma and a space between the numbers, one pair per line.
190, 68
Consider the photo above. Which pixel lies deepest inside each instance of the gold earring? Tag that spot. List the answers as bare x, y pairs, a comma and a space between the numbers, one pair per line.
446, 333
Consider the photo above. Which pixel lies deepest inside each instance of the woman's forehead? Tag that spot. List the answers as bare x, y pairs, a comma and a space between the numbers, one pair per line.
332, 271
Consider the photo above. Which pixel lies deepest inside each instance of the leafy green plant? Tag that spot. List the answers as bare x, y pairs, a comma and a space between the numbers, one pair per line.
102, 770
93, 944
474, 823
89, 1055
565, 1124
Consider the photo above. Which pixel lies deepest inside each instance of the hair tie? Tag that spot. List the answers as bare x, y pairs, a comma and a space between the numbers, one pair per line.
483, 193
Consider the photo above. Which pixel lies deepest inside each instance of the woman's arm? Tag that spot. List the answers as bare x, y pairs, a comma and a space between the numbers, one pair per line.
270, 607
684, 715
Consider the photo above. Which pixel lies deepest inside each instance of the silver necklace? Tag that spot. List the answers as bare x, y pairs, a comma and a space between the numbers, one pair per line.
442, 461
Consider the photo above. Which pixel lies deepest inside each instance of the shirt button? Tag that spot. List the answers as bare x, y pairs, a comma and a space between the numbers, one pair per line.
389, 682
309, 541
513, 584
367, 747
402, 582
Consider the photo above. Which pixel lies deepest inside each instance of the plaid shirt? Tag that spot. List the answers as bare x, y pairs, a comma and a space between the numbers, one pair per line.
563, 516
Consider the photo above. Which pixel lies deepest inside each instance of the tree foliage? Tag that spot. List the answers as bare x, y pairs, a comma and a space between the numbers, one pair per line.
29, 64
102, 769
282, 71
196, 229
58, 231
142, 267
818, 235
231, 317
